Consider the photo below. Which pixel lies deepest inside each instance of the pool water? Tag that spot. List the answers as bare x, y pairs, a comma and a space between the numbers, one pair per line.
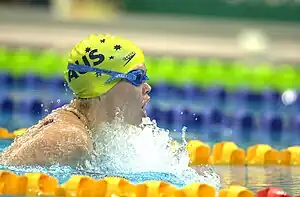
142, 154
252, 177
255, 178
63, 173
5, 143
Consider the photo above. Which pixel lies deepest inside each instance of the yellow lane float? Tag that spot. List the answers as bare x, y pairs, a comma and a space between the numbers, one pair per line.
262, 154
227, 153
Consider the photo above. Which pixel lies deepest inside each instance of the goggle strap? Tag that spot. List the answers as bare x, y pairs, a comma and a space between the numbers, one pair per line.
84, 68
120, 75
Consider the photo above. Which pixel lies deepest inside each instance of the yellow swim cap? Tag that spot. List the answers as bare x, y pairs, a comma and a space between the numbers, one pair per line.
104, 52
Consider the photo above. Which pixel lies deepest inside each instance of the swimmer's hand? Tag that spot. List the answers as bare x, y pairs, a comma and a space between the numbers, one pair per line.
53, 145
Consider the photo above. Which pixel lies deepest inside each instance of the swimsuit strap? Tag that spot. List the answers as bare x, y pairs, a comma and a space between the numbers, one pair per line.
77, 113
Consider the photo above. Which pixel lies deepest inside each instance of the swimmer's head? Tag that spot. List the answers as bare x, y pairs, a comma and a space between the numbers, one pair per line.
110, 70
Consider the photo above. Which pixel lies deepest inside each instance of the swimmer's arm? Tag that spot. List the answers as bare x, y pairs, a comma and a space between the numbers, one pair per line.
63, 147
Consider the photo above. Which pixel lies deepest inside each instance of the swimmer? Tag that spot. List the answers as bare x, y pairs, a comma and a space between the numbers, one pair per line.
106, 74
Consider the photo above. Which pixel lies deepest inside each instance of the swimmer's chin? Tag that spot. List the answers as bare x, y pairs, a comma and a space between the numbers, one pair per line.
144, 113
137, 118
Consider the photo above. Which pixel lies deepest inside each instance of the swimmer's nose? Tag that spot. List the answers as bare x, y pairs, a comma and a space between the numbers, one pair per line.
146, 88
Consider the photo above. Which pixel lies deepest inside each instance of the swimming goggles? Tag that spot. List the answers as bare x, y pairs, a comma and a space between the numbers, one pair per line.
135, 77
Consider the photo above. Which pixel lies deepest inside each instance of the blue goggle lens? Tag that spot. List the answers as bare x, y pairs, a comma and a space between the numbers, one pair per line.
137, 77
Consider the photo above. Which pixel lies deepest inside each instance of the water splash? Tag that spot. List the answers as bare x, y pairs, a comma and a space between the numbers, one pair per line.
127, 149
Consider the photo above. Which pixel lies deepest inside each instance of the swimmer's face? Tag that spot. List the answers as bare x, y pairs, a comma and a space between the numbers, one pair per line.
132, 99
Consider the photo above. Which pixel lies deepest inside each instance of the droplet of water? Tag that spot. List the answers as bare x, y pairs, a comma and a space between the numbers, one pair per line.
58, 100
42, 105
46, 110
183, 138
181, 112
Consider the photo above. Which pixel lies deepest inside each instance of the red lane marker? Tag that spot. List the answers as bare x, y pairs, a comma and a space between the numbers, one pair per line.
272, 192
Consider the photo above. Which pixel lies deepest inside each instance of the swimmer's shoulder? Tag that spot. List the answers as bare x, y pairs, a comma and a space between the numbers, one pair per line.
65, 120
60, 124
61, 119
59, 136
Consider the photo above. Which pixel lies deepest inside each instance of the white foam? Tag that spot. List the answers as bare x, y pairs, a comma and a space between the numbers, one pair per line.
123, 148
